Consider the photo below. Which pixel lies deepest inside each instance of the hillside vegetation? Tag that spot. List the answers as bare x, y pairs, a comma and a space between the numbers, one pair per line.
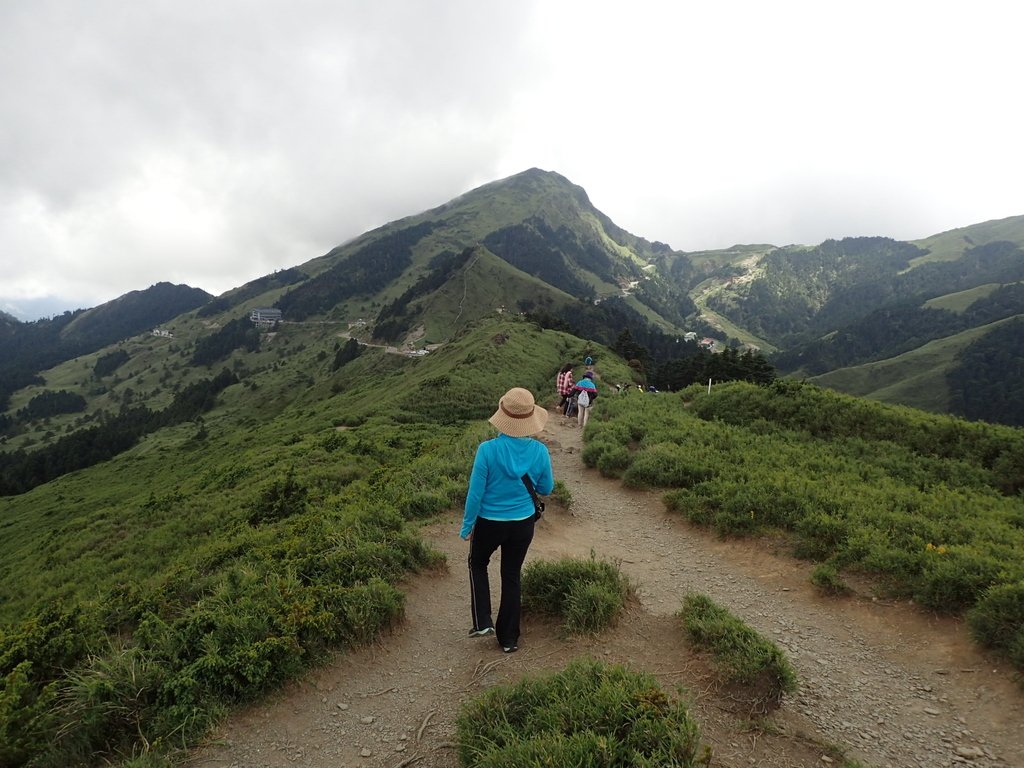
945, 375
842, 305
403, 276
203, 566
208, 563
951, 245
927, 507
26, 349
533, 243
191, 519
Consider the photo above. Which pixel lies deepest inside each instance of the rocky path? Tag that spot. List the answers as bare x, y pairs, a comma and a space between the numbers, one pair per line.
888, 685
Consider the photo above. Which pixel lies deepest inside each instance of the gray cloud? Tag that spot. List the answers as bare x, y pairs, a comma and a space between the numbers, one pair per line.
210, 143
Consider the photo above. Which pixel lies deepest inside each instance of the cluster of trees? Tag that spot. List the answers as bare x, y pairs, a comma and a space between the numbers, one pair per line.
804, 291
996, 262
985, 385
699, 368
366, 271
395, 317
346, 354
555, 255
28, 348
533, 248
110, 362
673, 304
252, 289
51, 403
239, 333
898, 328
587, 254
851, 301
135, 312
21, 471
663, 361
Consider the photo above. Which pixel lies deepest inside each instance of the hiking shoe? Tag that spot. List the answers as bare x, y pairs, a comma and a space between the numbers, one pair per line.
481, 632
510, 648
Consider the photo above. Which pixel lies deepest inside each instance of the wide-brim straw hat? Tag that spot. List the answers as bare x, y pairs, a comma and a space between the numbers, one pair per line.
518, 415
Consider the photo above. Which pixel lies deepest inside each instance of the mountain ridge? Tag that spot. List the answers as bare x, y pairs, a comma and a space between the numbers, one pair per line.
808, 306
194, 518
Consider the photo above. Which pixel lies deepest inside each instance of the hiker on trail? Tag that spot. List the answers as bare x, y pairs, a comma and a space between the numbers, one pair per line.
564, 383
500, 511
589, 362
586, 394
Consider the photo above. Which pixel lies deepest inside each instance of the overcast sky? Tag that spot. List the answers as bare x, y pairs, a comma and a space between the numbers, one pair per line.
212, 142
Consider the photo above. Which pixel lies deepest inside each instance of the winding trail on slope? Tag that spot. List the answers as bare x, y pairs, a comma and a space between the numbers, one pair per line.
890, 685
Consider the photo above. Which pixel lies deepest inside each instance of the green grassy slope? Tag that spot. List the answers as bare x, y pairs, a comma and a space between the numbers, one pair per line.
486, 285
103, 524
220, 557
216, 559
928, 507
958, 302
525, 198
916, 378
948, 246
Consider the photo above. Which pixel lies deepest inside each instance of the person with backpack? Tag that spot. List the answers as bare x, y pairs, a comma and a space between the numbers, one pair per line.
502, 507
564, 383
586, 394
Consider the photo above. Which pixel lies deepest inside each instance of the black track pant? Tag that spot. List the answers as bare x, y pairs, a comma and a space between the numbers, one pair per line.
514, 539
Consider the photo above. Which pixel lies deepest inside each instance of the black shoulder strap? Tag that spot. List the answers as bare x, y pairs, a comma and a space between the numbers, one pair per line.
538, 503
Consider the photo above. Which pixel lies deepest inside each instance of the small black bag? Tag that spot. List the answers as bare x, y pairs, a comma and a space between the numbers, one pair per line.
538, 502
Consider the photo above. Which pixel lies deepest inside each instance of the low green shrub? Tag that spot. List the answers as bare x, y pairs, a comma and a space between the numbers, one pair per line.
588, 715
561, 495
27, 716
862, 486
586, 594
595, 449
278, 499
667, 465
827, 578
954, 578
755, 668
692, 504
898, 570
425, 504
33, 658
819, 536
997, 621
613, 461
104, 704
590, 607
614, 432
1015, 653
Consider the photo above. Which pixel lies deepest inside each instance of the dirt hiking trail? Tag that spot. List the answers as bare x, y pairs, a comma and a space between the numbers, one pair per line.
888, 684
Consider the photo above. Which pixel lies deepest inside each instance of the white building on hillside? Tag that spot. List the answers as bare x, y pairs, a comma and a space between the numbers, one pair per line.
265, 317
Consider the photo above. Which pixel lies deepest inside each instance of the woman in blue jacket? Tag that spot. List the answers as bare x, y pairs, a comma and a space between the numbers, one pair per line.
500, 511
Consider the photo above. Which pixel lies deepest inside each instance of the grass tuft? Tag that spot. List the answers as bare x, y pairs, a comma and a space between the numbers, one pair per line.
587, 594
561, 495
589, 714
754, 669
826, 577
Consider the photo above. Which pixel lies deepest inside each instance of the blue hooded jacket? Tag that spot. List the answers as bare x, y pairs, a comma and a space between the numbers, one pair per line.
496, 490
